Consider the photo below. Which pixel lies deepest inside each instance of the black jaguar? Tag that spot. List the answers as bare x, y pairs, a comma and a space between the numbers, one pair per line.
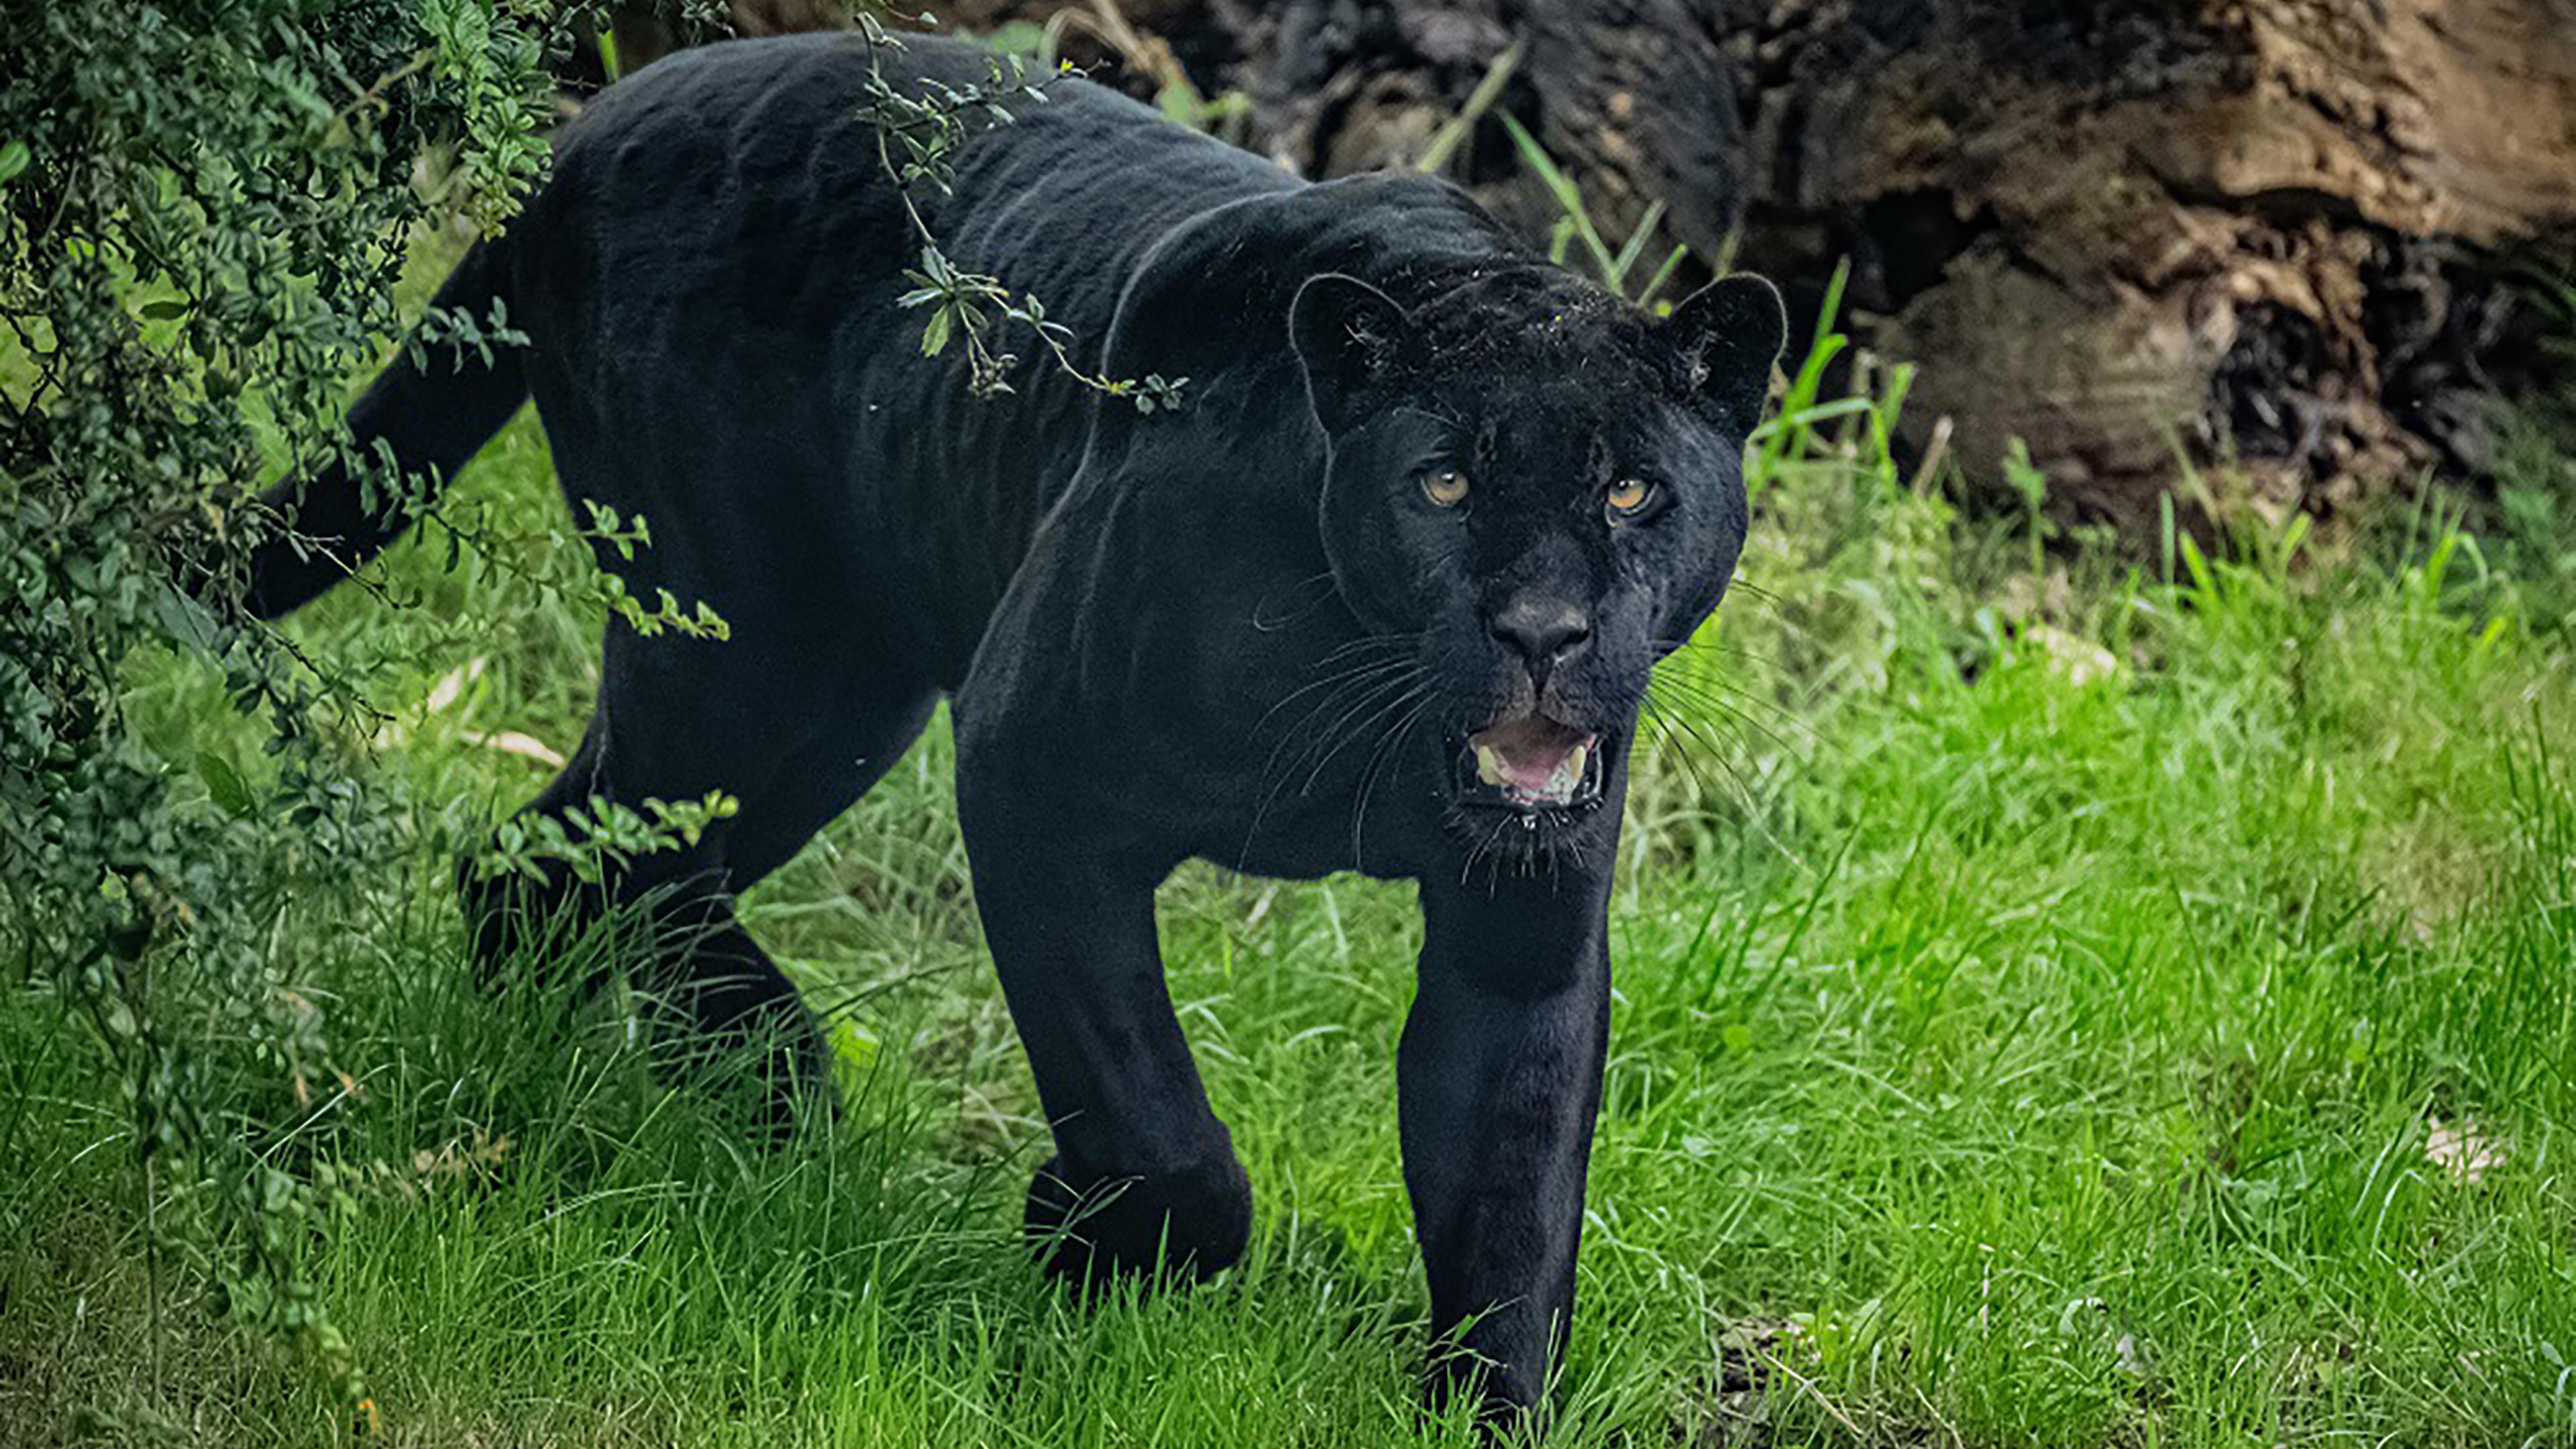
1382, 596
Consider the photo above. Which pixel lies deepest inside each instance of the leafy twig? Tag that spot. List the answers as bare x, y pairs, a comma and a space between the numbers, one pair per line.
916, 137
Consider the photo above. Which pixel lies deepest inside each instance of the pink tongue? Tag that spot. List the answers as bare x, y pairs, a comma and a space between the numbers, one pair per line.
1529, 751
1530, 769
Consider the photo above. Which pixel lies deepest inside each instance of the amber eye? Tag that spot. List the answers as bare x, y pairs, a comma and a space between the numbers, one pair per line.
1629, 498
1445, 486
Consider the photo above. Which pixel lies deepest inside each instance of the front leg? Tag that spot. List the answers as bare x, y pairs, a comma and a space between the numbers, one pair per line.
1144, 1174
1499, 1079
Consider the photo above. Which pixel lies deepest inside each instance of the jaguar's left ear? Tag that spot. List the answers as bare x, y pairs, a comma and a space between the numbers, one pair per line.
1725, 339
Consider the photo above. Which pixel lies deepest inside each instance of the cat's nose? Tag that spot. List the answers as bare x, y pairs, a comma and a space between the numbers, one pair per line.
1545, 630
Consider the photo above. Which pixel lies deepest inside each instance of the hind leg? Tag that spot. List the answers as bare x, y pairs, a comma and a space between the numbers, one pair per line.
723, 993
726, 996
723, 1016
793, 749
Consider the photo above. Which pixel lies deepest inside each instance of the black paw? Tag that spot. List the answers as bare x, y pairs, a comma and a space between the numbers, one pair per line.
1090, 1228
1510, 1406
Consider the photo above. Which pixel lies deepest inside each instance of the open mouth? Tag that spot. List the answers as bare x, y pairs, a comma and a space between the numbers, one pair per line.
1530, 763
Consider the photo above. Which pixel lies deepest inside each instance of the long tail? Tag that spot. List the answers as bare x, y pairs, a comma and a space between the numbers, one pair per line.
434, 418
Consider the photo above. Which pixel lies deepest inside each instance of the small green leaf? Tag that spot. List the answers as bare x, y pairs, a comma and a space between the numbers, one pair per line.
14, 158
165, 310
934, 335
224, 785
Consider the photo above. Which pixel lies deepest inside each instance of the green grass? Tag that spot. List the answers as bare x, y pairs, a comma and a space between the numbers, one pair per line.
2038, 1001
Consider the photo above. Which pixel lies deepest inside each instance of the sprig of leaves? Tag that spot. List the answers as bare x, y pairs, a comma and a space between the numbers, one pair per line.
964, 304
590, 841
918, 135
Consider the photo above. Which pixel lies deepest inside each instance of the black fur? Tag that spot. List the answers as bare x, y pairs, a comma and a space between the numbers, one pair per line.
1242, 632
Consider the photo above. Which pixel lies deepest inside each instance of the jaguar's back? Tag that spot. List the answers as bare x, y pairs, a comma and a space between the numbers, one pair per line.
712, 281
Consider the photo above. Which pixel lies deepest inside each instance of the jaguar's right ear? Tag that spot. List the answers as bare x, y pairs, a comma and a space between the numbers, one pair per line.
1355, 343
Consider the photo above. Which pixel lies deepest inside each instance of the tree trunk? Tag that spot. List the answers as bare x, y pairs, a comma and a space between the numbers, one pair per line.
2280, 229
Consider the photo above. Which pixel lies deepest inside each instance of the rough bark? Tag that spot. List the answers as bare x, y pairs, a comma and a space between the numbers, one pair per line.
2278, 230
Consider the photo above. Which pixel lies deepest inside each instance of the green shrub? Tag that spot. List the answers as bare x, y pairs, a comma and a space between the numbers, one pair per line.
204, 210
